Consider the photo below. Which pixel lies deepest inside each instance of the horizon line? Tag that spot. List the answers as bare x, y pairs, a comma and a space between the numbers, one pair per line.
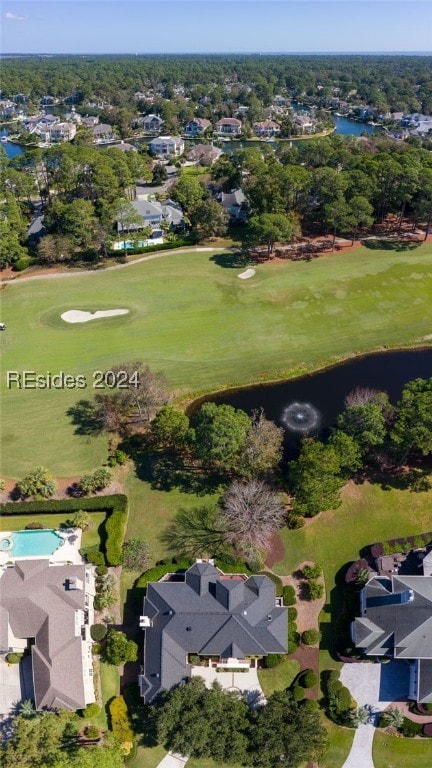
215, 53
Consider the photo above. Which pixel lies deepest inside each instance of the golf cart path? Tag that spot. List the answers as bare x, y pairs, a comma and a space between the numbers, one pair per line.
81, 272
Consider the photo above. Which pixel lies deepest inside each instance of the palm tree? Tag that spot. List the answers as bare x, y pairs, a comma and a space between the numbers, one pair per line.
394, 717
359, 716
27, 709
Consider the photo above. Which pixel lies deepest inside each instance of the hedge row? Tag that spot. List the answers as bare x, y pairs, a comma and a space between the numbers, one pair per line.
115, 507
120, 724
115, 502
156, 573
405, 545
177, 243
115, 527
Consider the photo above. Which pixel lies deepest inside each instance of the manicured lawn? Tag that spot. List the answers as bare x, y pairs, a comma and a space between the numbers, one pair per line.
90, 537
151, 511
202, 326
278, 678
340, 740
367, 514
147, 757
393, 752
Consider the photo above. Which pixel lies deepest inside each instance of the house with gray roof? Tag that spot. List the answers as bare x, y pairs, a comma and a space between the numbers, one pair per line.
153, 214
227, 618
396, 621
48, 609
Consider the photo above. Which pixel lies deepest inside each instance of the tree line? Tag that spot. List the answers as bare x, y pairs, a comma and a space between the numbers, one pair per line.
398, 83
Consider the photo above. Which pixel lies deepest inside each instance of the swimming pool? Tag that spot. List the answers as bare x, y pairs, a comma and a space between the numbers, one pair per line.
30, 543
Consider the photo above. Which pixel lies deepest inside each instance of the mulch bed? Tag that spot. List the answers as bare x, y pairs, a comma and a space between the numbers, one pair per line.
276, 550
308, 658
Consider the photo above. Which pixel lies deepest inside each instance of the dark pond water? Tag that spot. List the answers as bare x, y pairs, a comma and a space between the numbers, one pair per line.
310, 405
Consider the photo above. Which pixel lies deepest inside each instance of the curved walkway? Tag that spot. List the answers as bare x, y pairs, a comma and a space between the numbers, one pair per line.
81, 272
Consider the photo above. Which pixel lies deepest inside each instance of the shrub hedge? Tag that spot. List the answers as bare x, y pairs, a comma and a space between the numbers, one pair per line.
307, 679
115, 507
310, 637
120, 723
98, 631
289, 595
273, 660
292, 613
298, 693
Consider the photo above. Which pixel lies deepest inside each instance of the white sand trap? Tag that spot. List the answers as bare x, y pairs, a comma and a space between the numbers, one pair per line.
246, 274
77, 316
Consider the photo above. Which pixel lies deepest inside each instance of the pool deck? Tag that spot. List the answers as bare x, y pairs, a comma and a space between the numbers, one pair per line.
68, 553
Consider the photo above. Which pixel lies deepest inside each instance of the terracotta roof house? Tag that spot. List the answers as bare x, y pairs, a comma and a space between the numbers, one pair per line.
167, 146
205, 612
51, 606
197, 127
229, 126
396, 621
266, 128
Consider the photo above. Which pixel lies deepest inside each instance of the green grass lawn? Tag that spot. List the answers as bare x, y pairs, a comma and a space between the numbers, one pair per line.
90, 537
340, 740
278, 678
203, 327
393, 752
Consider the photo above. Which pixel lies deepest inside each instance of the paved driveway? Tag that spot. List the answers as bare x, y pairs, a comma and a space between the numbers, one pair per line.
172, 760
10, 687
363, 681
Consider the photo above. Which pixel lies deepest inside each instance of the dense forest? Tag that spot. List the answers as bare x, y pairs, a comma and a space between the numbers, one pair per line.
395, 83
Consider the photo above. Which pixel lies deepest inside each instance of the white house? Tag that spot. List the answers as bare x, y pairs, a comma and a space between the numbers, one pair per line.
266, 128
167, 146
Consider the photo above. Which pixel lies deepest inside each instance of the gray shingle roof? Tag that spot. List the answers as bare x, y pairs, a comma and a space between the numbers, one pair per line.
35, 598
209, 613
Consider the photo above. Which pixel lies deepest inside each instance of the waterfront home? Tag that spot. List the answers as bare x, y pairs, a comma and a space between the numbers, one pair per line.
167, 146
266, 128
229, 126
197, 127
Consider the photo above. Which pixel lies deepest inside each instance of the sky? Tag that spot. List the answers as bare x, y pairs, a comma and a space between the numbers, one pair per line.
215, 26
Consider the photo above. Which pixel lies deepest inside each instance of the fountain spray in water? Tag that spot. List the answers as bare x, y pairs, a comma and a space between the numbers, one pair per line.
301, 417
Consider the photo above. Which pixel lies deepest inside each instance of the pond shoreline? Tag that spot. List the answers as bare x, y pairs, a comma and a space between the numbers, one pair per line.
191, 405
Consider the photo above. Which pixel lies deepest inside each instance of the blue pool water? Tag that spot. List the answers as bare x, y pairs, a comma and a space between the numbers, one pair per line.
30, 543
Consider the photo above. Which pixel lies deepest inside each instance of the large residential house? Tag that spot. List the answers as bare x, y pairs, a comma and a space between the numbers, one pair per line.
204, 154
90, 120
305, 122
153, 214
229, 619
229, 126
8, 109
396, 622
151, 123
59, 132
167, 146
266, 129
417, 123
197, 127
47, 609
235, 204
103, 133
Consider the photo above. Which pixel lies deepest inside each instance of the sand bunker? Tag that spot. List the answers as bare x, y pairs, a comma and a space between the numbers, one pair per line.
77, 316
246, 274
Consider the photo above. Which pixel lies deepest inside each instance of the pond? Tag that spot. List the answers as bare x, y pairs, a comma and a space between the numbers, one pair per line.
311, 404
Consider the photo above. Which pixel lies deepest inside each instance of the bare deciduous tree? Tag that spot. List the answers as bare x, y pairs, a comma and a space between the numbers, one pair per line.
361, 396
252, 511
146, 393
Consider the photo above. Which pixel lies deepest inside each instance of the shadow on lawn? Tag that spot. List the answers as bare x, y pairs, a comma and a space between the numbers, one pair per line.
84, 417
390, 245
335, 635
166, 471
233, 260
